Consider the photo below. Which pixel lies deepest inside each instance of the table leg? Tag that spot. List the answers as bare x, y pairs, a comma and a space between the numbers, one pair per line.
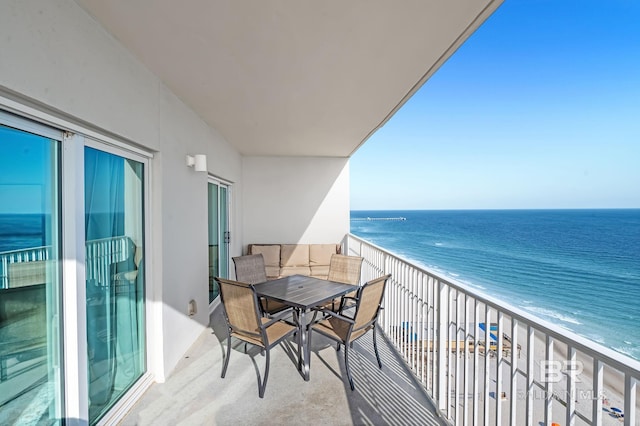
305, 352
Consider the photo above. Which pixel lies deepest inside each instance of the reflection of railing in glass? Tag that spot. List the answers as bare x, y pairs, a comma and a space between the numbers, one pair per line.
13, 264
23, 281
103, 255
23, 334
19, 268
115, 321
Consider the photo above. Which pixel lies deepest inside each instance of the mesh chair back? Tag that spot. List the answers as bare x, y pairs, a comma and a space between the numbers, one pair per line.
370, 298
250, 268
345, 269
241, 308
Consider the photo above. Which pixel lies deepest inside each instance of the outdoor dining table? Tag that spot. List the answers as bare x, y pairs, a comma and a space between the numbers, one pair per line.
302, 293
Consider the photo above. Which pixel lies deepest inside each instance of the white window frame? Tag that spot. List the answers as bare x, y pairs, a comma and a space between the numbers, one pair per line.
229, 186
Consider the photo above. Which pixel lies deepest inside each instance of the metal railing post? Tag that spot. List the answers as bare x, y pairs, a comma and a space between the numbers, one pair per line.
442, 333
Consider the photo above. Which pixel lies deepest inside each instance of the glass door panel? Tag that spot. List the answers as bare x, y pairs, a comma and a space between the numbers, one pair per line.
224, 232
218, 235
30, 283
115, 277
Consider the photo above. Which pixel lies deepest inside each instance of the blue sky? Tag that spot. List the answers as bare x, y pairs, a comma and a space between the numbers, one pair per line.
25, 172
540, 108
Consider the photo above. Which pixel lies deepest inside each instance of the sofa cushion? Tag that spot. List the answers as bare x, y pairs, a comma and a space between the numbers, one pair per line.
271, 254
285, 271
294, 255
320, 271
290, 259
320, 254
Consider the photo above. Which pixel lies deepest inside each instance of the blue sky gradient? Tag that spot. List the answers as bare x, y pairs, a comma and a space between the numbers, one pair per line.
25, 172
540, 108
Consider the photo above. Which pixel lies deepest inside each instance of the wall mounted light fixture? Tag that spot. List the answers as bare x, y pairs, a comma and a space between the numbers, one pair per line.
198, 162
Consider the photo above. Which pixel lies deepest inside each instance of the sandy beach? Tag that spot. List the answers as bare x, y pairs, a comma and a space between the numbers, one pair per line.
583, 395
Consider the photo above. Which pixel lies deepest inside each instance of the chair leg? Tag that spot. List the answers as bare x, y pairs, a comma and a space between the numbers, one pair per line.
375, 347
346, 364
226, 358
262, 386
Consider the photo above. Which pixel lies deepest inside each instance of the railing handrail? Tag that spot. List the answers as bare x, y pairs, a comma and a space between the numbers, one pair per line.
12, 252
621, 361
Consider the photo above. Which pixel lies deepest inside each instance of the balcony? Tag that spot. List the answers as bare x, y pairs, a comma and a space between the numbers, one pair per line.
196, 394
279, 115
441, 338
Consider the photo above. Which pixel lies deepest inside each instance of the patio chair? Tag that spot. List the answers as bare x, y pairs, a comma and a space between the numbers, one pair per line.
344, 269
245, 322
250, 269
345, 329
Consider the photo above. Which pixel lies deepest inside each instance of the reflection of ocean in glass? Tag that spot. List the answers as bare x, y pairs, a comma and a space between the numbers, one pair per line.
19, 231
22, 231
574, 268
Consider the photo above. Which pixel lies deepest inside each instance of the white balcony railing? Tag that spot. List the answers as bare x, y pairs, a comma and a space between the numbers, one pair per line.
484, 362
100, 257
35, 254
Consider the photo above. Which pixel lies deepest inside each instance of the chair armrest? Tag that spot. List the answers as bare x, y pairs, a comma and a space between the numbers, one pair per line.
336, 315
276, 318
343, 301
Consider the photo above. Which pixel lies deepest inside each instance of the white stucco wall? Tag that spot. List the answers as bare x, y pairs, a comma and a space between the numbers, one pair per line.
295, 200
182, 211
54, 52
56, 57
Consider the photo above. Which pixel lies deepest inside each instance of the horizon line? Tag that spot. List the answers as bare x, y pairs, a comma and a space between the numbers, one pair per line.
498, 209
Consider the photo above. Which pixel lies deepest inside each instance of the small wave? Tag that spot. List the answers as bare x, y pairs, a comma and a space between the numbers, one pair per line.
466, 281
596, 338
552, 314
438, 244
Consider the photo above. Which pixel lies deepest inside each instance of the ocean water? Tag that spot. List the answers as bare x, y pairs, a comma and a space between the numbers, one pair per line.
579, 269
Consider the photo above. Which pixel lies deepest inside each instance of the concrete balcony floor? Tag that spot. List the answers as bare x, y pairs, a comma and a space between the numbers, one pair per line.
195, 394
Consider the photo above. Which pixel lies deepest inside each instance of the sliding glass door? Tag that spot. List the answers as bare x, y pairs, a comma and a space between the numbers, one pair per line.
47, 373
114, 214
30, 284
219, 235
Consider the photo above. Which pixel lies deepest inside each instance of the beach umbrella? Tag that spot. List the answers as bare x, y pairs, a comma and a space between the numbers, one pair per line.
616, 411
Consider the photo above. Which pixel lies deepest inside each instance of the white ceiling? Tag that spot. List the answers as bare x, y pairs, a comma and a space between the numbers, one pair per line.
292, 77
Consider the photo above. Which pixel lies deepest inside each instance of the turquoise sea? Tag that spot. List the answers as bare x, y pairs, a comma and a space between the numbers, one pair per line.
579, 269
